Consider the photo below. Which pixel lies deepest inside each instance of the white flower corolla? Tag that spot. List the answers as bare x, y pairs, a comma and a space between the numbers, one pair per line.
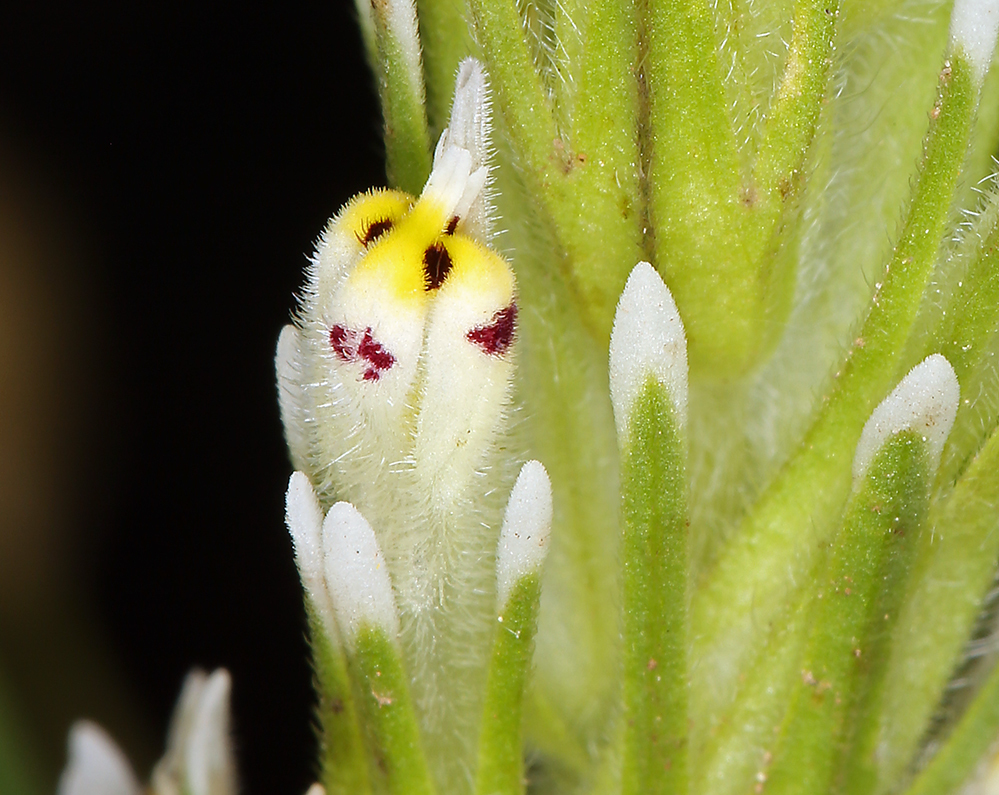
96, 765
199, 758
925, 401
401, 356
395, 380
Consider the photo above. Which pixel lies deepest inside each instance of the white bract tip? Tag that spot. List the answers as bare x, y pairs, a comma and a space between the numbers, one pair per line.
207, 753
356, 574
647, 340
460, 171
925, 402
973, 27
527, 525
304, 518
199, 759
96, 766
316, 789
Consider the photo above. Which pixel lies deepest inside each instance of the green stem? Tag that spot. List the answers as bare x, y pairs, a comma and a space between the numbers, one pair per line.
655, 562
501, 753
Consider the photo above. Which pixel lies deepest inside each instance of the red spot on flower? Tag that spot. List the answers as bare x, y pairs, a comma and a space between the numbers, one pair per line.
496, 337
340, 342
352, 346
376, 355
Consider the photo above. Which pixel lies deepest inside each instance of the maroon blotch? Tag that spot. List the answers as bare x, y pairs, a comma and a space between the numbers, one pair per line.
496, 336
436, 266
341, 341
353, 346
452, 225
375, 354
374, 231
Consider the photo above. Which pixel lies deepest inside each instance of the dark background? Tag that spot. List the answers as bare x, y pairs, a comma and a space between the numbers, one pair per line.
181, 159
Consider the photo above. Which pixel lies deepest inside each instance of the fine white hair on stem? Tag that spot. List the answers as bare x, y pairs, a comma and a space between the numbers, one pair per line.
356, 574
648, 340
925, 402
96, 766
973, 27
523, 542
304, 518
460, 173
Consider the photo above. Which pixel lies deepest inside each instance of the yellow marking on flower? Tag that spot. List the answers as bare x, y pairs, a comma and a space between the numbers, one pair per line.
369, 215
480, 271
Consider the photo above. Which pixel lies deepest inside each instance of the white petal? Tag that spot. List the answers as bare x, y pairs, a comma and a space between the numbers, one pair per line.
925, 401
356, 574
96, 765
648, 340
527, 525
460, 173
973, 27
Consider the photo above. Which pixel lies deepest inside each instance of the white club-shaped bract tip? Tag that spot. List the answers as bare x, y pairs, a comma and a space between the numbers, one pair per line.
356, 574
647, 340
207, 753
304, 518
199, 758
316, 789
527, 525
96, 766
925, 402
973, 27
